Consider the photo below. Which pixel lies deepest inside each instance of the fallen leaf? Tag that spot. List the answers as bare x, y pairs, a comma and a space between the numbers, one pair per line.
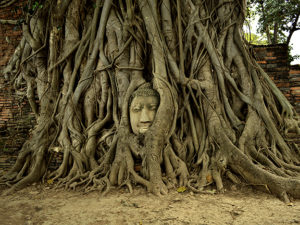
181, 189
50, 181
209, 178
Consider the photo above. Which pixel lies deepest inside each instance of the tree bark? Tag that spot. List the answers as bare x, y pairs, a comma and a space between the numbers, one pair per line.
220, 115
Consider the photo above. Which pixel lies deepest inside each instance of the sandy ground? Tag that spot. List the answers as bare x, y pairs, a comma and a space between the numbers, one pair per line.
40, 205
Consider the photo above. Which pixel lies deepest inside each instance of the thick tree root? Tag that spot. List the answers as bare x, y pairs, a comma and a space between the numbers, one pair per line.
219, 114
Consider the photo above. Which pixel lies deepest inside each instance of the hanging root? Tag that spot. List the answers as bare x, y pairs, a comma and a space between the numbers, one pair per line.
219, 114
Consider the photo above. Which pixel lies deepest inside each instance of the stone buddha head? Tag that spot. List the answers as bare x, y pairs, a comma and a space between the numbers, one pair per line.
143, 105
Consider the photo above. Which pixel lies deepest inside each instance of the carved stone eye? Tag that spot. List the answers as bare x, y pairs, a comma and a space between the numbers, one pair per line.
136, 109
153, 107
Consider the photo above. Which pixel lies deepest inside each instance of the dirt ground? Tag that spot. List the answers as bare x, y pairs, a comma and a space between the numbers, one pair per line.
40, 205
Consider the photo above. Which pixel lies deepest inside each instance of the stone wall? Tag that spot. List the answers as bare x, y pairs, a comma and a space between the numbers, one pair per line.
10, 34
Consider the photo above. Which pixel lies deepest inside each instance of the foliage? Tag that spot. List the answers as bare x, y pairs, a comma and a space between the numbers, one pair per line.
32, 6
255, 39
278, 19
291, 57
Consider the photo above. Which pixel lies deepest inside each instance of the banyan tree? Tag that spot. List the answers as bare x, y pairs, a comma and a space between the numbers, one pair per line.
164, 94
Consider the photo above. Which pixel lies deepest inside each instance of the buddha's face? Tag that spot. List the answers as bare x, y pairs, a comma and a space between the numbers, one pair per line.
142, 113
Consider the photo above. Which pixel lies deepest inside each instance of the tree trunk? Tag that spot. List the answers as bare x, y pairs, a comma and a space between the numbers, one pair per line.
220, 115
293, 29
266, 24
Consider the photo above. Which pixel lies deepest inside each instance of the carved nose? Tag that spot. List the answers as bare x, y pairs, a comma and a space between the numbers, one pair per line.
145, 116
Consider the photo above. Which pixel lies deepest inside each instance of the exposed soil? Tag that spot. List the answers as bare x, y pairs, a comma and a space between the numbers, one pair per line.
40, 205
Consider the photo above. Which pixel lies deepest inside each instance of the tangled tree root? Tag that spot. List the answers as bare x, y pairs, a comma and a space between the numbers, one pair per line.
219, 115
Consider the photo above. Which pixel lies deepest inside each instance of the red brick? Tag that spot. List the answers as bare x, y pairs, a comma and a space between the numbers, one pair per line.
262, 62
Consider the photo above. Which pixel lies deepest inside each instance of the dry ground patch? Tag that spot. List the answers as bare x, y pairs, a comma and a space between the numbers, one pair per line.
41, 205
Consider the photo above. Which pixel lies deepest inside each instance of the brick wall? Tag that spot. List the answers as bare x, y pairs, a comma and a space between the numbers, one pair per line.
274, 60
10, 35
16, 118
294, 78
